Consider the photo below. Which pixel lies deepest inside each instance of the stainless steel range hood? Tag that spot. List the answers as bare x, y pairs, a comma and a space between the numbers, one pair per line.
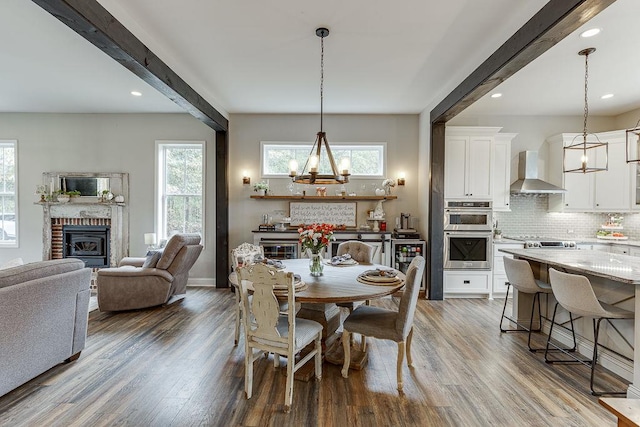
528, 182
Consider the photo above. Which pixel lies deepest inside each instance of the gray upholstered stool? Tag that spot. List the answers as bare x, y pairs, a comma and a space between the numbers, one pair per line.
575, 294
520, 276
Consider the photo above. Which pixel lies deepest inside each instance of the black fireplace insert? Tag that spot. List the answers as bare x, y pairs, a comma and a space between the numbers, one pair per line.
89, 243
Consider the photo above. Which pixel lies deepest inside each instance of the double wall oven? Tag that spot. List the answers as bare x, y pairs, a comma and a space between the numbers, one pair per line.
468, 235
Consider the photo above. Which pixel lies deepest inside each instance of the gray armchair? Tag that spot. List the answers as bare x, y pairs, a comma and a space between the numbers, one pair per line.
141, 283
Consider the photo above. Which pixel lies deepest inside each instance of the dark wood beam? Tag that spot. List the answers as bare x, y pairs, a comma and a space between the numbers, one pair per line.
93, 22
222, 211
556, 20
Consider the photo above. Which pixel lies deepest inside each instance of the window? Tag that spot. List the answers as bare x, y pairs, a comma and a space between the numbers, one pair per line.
180, 187
8, 193
367, 160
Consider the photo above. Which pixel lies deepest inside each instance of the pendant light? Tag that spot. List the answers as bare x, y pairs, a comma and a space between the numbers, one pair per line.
310, 172
590, 147
633, 144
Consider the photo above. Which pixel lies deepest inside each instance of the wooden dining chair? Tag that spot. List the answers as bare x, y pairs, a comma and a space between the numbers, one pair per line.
271, 332
382, 323
244, 254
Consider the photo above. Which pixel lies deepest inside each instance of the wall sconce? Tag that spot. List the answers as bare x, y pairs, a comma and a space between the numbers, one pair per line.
401, 179
246, 179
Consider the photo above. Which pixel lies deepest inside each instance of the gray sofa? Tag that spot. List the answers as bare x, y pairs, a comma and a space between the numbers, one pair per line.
44, 308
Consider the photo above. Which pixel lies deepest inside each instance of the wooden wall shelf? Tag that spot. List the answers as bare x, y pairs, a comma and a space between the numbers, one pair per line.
325, 198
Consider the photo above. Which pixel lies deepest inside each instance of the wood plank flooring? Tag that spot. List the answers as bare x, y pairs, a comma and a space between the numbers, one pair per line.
177, 366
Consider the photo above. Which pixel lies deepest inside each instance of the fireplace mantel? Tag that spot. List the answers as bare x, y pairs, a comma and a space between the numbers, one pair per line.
116, 213
87, 211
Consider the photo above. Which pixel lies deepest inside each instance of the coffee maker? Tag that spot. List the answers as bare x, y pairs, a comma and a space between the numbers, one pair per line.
404, 228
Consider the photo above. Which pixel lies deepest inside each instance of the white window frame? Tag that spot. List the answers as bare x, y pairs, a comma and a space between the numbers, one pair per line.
160, 226
337, 145
13, 244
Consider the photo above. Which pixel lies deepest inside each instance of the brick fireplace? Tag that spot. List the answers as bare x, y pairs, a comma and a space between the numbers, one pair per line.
87, 215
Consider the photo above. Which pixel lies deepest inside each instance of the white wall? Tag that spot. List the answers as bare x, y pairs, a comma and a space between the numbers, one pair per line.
400, 132
102, 143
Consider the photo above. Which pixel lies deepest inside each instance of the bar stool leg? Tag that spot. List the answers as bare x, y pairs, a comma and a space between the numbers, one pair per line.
594, 362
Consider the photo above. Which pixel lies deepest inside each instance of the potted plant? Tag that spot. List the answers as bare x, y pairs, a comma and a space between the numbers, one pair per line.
261, 188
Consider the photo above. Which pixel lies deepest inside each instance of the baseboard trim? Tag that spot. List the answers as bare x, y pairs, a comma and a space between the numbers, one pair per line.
202, 282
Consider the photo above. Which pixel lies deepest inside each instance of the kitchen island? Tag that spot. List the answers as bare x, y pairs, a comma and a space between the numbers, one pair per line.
615, 279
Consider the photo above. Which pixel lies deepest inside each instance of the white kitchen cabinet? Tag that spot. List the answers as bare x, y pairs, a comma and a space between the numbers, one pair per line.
469, 162
502, 171
499, 273
466, 283
604, 191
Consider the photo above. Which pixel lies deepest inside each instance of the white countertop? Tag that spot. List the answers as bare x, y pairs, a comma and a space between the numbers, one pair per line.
621, 268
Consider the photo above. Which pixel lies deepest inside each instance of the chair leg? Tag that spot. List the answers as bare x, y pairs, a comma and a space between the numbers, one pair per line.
594, 360
363, 344
399, 364
504, 307
288, 392
238, 318
347, 353
409, 339
248, 370
553, 322
319, 357
276, 360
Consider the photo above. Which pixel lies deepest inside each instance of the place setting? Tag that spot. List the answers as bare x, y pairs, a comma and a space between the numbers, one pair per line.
380, 277
341, 261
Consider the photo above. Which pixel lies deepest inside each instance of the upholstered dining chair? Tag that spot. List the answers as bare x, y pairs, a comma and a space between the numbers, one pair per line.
244, 254
382, 323
360, 252
575, 294
269, 331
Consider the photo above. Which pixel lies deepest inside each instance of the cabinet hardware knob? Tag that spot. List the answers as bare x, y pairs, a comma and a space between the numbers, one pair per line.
466, 282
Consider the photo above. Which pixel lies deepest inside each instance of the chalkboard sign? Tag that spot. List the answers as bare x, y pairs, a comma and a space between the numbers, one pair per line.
330, 213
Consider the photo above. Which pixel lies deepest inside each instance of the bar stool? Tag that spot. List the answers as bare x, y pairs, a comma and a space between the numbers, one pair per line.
520, 276
574, 293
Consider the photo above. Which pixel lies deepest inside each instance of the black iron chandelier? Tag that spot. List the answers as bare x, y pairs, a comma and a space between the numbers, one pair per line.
310, 172
589, 150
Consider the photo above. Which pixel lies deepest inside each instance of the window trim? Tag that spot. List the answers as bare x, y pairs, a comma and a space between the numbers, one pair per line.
16, 243
159, 178
332, 145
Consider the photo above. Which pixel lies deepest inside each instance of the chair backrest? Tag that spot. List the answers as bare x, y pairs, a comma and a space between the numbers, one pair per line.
520, 275
359, 251
174, 252
409, 299
246, 253
264, 308
575, 294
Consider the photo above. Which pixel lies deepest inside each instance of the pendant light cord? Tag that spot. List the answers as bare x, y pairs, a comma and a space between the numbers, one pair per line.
586, 98
321, 79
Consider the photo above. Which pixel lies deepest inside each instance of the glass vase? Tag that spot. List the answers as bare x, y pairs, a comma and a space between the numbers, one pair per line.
315, 262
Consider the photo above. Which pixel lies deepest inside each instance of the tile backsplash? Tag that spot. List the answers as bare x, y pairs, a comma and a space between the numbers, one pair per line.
529, 217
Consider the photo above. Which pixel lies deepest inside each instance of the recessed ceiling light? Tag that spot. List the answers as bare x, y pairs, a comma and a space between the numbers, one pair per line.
135, 93
607, 96
496, 95
590, 33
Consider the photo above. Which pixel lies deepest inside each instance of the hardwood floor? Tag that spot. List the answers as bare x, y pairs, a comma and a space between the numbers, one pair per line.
176, 366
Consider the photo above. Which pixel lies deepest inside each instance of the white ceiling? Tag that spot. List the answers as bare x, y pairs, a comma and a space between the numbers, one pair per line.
263, 57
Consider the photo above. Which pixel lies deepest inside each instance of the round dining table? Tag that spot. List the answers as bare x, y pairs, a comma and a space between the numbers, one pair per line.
336, 284
339, 283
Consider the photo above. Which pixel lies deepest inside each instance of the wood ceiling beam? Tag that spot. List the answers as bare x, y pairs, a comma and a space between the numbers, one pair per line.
556, 20
94, 23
